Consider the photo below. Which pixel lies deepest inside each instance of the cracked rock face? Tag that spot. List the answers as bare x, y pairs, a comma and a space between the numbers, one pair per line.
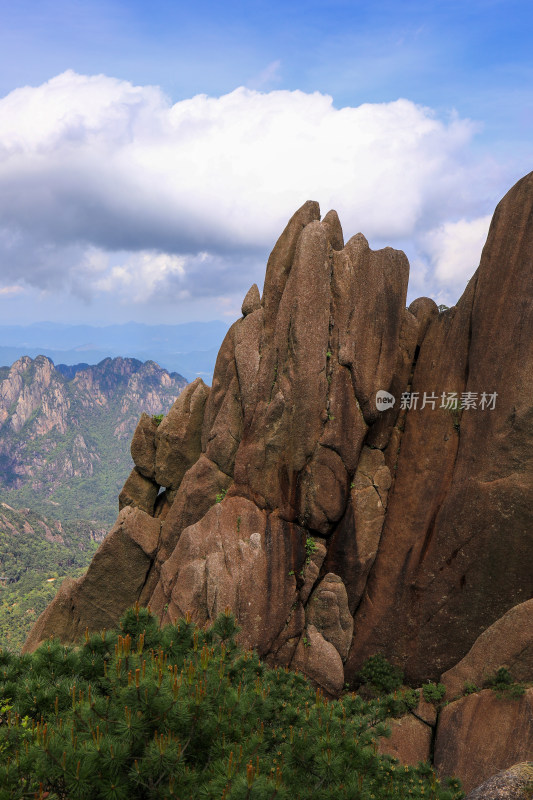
335, 530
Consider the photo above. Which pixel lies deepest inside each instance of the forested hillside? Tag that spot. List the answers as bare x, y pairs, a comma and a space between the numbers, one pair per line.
36, 553
65, 432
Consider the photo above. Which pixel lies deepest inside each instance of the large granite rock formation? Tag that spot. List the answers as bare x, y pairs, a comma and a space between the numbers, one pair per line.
333, 529
482, 734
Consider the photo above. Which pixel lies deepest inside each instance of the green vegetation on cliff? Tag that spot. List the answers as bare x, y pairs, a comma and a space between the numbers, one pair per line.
183, 712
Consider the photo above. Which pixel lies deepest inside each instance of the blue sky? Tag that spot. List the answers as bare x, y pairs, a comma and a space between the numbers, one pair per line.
151, 153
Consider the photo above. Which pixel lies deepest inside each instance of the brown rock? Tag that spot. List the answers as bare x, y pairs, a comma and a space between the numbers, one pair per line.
282, 650
333, 228
248, 338
319, 660
311, 570
198, 491
508, 643
324, 489
515, 783
252, 301
381, 431
368, 334
345, 428
481, 734
143, 446
432, 543
424, 309
214, 566
462, 502
138, 491
223, 420
281, 258
354, 545
127, 551
178, 436
328, 611
409, 742
292, 387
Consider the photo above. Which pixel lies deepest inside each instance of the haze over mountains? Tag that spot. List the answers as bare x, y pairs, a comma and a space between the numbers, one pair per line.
188, 348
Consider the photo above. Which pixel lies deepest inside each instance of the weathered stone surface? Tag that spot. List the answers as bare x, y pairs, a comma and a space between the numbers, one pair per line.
328, 611
462, 501
410, 335
248, 338
481, 734
508, 643
252, 301
280, 260
143, 446
353, 547
424, 514
282, 650
323, 491
214, 565
198, 491
409, 742
424, 309
138, 491
319, 660
515, 783
333, 228
345, 429
369, 338
178, 436
127, 552
311, 570
292, 388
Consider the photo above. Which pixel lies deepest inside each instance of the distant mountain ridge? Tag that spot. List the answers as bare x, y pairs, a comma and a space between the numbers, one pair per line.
188, 348
64, 433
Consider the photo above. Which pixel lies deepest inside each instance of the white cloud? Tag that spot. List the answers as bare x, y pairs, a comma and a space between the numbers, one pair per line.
454, 249
108, 187
141, 274
8, 291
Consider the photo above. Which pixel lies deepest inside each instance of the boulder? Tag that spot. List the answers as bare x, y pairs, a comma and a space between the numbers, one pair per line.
143, 446
409, 742
127, 551
178, 436
138, 491
515, 783
236, 556
252, 301
320, 661
411, 736
508, 643
327, 610
482, 734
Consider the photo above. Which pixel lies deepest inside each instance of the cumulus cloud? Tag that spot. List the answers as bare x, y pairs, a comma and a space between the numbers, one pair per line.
454, 250
109, 187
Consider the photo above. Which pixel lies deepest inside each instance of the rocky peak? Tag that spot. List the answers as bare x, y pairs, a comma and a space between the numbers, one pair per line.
332, 527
